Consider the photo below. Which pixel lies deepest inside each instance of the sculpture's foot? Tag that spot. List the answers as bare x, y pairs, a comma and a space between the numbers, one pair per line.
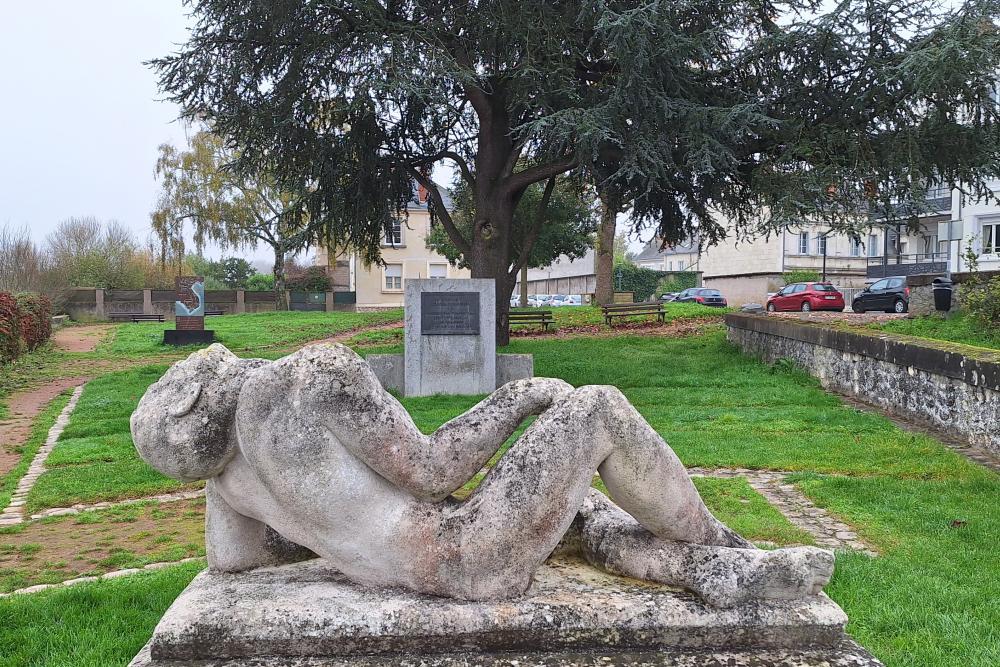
725, 577
722, 576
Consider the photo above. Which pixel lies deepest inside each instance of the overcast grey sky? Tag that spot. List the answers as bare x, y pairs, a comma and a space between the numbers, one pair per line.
80, 119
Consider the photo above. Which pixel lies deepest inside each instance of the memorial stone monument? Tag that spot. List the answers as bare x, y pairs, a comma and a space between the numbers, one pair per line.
189, 313
450, 338
333, 538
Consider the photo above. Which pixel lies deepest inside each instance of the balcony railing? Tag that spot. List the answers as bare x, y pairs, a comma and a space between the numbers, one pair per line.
907, 265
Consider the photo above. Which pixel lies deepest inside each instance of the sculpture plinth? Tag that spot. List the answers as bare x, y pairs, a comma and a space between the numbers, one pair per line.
189, 314
309, 614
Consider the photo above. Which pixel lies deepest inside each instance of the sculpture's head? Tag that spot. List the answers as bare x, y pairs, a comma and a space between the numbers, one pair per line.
182, 426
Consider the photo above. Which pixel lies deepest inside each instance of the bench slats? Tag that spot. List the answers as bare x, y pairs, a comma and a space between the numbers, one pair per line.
543, 317
633, 310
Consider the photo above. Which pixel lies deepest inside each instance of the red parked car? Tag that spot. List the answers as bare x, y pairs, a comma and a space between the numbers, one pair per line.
806, 297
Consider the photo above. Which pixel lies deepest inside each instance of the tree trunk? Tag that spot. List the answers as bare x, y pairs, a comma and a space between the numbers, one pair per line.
605, 251
490, 256
524, 286
280, 302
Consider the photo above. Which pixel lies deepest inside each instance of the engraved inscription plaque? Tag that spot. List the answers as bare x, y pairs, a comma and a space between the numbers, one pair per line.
449, 313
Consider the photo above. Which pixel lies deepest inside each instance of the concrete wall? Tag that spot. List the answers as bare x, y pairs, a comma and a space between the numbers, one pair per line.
740, 290
936, 386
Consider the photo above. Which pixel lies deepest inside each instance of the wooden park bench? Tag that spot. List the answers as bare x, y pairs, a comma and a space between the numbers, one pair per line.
543, 317
135, 317
214, 313
633, 309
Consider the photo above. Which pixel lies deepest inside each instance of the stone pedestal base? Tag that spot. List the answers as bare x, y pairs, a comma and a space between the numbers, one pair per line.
309, 615
188, 336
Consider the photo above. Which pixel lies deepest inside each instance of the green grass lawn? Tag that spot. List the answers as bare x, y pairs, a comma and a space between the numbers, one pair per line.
95, 459
39, 432
931, 598
255, 331
958, 328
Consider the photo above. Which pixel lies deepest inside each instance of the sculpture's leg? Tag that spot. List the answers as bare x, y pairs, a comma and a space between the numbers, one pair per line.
722, 576
514, 520
234, 542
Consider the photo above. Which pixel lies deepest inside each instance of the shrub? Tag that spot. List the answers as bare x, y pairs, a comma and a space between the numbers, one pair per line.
677, 282
310, 279
260, 282
11, 342
36, 318
982, 302
631, 278
801, 276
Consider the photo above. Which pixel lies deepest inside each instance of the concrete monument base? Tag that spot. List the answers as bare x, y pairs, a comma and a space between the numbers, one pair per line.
310, 615
188, 337
390, 369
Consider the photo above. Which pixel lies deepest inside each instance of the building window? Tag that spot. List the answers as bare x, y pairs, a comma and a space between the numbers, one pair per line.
930, 244
670, 266
873, 249
680, 265
855, 247
803, 243
939, 191
991, 239
437, 271
394, 235
393, 277
821, 245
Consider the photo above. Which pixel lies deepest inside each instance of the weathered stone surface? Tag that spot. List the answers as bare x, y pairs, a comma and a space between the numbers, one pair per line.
309, 614
310, 455
450, 364
941, 387
389, 369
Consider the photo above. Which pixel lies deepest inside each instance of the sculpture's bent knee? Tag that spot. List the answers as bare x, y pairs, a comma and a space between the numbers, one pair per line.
183, 422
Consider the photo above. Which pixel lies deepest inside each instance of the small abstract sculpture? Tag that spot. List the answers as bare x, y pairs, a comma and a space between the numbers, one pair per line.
310, 454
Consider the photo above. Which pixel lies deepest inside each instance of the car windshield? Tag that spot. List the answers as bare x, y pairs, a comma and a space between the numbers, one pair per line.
709, 292
820, 287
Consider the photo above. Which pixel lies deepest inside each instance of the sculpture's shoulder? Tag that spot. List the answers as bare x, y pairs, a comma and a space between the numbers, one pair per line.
324, 373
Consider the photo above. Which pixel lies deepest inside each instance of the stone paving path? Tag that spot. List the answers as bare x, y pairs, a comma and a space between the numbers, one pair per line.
14, 512
102, 577
76, 509
798, 509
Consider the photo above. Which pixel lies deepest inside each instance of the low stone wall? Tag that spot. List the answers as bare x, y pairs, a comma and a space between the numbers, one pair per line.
942, 388
86, 304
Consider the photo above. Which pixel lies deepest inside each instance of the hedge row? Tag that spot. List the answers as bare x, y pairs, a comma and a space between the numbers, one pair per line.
25, 323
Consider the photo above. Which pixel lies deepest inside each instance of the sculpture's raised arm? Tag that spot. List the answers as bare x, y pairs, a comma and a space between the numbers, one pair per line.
373, 426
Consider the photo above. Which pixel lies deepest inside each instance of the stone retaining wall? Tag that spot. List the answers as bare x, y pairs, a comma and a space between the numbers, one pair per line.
940, 387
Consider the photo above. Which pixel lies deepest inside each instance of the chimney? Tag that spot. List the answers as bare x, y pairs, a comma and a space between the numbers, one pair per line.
421, 194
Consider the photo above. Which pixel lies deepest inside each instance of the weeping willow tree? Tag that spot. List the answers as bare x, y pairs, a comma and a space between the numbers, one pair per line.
686, 113
198, 190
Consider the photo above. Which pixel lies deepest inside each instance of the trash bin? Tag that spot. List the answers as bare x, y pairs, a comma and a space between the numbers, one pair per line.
942, 294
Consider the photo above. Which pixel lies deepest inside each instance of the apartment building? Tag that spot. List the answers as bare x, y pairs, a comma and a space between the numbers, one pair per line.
406, 256
682, 257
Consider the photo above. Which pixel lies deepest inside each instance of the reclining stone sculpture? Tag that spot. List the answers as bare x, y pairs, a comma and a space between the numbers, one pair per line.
310, 454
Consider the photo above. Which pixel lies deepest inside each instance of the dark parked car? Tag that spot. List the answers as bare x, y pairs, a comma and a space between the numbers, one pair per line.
889, 294
703, 295
668, 297
806, 297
